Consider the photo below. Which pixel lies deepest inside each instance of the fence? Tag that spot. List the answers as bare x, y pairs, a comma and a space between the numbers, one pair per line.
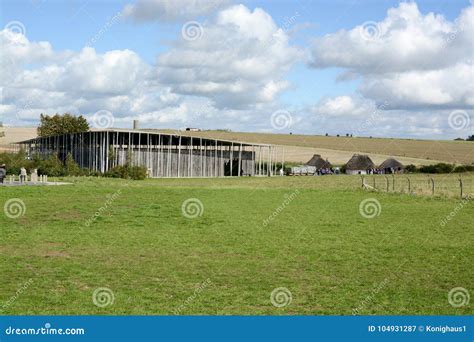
449, 185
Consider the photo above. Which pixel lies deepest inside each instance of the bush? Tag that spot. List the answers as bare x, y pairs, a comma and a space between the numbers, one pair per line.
128, 172
437, 168
137, 172
464, 168
118, 172
52, 167
15, 161
71, 168
410, 168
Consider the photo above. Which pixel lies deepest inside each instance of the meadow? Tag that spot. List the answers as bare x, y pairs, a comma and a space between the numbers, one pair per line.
241, 240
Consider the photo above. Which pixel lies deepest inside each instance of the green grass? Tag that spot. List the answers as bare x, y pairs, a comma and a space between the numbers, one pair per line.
154, 259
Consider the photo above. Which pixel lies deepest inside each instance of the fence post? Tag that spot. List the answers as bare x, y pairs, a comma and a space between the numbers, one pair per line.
460, 185
388, 183
432, 186
363, 182
393, 184
409, 185
374, 183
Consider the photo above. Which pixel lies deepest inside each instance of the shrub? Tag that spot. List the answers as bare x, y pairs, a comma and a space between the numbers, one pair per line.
137, 172
71, 168
410, 168
128, 172
52, 167
464, 168
437, 168
118, 172
15, 161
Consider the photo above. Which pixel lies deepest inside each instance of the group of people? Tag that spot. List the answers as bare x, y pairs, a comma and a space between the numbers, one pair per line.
3, 174
381, 171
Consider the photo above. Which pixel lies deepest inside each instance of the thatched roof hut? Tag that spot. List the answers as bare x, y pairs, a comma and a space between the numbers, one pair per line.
359, 164
391, 164
319, 162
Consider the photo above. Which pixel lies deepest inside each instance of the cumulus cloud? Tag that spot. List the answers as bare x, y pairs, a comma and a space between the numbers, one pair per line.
37, 79
342, 106
409, 59
171, 10
405, 40
451, 87
239, 60
363, 117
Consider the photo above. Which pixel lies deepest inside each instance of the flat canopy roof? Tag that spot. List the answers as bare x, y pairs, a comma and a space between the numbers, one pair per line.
184, 138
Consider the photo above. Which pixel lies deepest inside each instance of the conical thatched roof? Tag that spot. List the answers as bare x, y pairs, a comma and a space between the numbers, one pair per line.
391, 163
318, 162
360, 162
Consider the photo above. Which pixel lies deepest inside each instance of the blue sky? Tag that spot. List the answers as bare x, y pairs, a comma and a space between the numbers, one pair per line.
317, 78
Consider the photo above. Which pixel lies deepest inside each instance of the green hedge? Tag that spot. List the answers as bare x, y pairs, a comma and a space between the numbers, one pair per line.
439, 168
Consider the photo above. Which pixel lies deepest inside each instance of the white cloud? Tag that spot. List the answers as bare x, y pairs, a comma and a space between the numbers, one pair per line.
451, 87
239, 61
171, 10
419, 65
363, 117
84, 82
342, 106
405, 40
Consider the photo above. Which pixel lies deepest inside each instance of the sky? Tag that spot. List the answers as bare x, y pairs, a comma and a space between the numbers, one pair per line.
367, 68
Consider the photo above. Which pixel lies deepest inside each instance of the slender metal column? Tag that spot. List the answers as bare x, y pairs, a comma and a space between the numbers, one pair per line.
179, 156
240, 160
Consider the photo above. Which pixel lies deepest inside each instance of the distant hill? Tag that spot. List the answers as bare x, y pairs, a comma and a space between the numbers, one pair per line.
300, 148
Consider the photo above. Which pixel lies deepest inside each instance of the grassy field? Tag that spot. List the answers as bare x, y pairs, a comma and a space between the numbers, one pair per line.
305, 234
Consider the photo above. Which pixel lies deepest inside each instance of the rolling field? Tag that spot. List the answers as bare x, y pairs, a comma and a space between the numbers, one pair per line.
300, 148
236, 242
410, 151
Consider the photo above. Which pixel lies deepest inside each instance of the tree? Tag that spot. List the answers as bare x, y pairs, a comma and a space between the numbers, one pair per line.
470, 138
62, 124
